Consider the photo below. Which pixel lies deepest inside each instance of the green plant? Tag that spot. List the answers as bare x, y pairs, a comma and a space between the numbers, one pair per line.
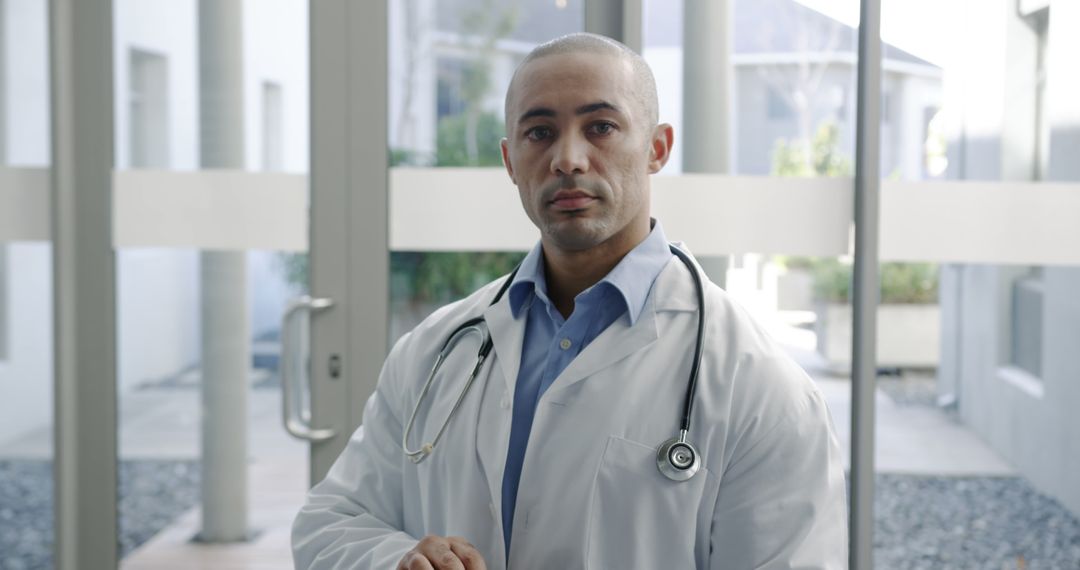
440, 277
452, 141
823, 158
294, 266
409, 157
790, 262
901, 283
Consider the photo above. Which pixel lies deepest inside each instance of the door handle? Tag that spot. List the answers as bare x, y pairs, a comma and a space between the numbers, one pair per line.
295, 380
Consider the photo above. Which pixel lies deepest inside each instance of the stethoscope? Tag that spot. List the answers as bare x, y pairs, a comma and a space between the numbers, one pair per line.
676, 458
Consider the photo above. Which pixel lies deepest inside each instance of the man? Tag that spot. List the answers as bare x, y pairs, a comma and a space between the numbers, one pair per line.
551, 460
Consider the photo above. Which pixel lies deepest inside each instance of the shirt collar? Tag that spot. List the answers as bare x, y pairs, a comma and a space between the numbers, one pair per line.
632, 278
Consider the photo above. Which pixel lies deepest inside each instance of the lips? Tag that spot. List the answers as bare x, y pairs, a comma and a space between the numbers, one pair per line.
571, 200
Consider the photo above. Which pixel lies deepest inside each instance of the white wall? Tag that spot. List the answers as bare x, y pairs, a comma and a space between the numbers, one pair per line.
157, 291
27, 67
1032, 422
167, 28
276, 48
26, 380
26, 373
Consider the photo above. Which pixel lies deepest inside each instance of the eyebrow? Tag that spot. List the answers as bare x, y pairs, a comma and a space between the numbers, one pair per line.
582, 110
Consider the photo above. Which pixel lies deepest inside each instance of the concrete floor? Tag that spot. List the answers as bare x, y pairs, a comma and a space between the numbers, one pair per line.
909, 439
277, 481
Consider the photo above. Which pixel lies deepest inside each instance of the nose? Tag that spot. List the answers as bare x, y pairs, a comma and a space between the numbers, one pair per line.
571, 156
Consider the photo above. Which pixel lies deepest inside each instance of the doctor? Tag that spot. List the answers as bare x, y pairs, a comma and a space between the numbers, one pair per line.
550, 461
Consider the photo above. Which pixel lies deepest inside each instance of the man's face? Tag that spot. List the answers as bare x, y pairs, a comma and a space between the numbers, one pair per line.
580, 148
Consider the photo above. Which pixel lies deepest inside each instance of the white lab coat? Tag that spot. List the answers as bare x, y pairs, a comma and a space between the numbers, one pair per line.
770, 493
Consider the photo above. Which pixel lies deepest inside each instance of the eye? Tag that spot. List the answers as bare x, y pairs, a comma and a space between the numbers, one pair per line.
602, 128
537, 134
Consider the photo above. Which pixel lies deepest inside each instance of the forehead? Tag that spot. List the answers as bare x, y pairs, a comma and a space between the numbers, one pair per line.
566, 81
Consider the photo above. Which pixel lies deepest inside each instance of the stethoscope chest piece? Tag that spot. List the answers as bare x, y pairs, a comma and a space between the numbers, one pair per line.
677, 459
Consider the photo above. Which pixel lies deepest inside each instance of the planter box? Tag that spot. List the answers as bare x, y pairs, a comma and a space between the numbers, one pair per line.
795, 290
908, 336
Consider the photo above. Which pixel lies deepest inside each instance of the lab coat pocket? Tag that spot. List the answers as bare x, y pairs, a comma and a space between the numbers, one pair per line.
639, 518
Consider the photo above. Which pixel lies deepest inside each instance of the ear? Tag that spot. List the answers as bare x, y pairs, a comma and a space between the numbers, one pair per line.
663, 137
504, 145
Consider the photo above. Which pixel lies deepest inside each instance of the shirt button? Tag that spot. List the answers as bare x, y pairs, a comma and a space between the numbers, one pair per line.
565, 343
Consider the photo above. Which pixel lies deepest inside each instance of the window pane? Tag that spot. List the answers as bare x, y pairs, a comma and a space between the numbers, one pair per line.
450, 65
977, 451
223, 86
26, 346
792, 75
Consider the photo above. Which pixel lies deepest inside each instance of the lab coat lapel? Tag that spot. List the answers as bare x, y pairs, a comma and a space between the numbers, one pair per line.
493, 429
508, 335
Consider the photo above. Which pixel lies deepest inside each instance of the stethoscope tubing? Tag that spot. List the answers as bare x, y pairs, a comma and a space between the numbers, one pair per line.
486, 345
695, 365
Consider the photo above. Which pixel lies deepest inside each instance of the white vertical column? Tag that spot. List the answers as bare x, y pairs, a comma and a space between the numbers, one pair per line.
84, 284
617, 19
1063, 92
225, 336
707, 100
707, 78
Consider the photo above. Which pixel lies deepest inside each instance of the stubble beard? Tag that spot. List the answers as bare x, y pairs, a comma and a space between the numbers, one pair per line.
577, 231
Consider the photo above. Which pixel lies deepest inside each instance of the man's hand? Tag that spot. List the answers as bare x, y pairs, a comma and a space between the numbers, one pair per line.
442, 553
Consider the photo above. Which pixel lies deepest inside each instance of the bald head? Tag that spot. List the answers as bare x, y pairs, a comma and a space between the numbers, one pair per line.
644, 85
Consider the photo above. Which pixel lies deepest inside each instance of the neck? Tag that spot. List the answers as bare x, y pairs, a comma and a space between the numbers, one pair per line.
568, 273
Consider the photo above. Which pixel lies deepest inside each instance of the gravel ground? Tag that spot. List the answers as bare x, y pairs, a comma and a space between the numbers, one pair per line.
152, 494
992, 523
983, 523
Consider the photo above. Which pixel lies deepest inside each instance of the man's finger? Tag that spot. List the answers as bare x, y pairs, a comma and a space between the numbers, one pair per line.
468, 554
441, 556
415, 561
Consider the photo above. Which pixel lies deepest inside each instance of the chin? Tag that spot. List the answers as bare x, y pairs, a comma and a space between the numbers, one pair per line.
577, 234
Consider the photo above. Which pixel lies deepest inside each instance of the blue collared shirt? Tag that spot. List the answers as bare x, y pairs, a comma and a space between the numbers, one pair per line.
551, 342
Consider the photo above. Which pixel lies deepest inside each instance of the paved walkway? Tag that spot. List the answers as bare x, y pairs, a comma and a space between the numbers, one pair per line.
277, 481
909, 439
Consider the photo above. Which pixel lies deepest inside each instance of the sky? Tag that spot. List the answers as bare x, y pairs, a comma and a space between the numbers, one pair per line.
924, 28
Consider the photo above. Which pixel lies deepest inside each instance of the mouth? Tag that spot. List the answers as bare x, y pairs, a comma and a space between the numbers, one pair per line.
568, 200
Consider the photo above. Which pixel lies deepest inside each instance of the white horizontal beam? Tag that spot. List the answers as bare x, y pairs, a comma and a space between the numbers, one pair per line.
1032, 223
477, 209
1029, 223
722, 215
463, 209
24, 204
210, 209
457, 209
